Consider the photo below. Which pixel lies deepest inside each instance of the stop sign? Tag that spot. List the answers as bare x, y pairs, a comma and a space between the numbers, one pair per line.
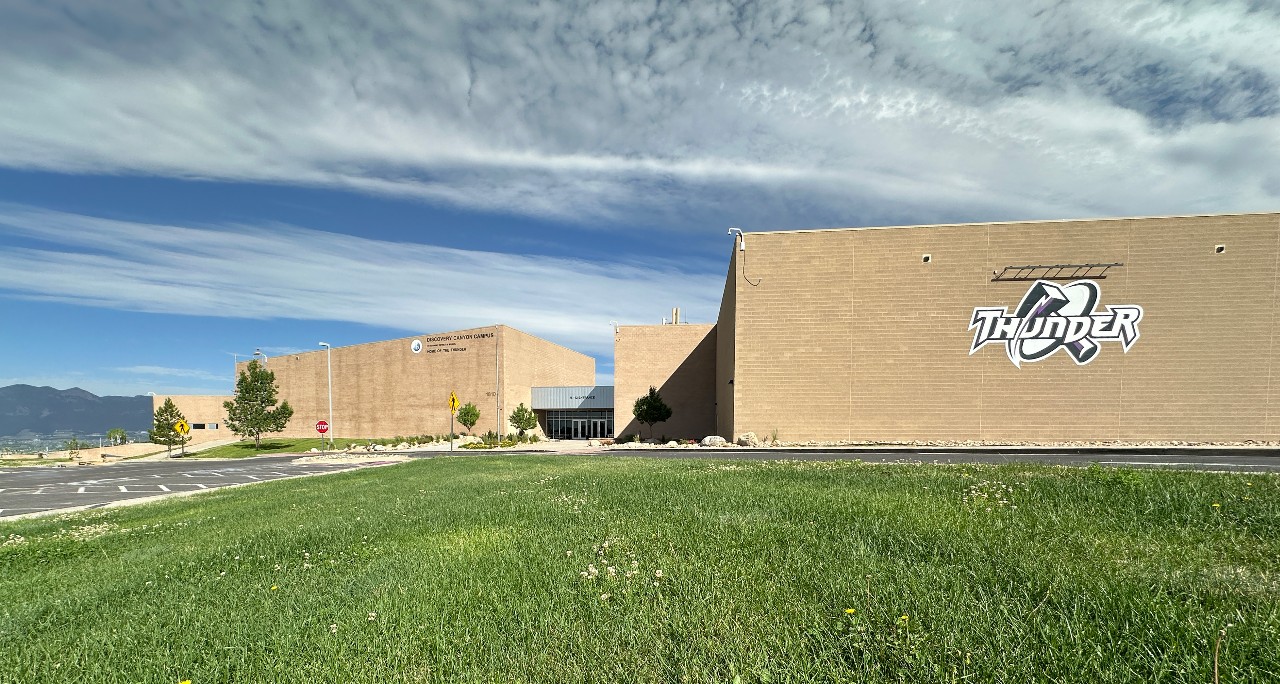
322, 427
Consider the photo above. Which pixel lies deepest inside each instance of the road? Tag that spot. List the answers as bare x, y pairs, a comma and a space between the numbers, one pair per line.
36, 490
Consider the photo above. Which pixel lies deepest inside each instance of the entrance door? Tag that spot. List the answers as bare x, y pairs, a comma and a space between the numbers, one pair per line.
580, 428
597, 428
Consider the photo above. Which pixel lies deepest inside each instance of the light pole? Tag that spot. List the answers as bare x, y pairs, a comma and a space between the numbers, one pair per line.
258, 352
328, 356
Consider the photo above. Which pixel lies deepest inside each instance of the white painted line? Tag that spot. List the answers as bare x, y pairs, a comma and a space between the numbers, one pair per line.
164, 488
251, 477
80, 491
122, 488
201, 486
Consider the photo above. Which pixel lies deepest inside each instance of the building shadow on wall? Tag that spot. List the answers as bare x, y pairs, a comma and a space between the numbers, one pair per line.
690, 391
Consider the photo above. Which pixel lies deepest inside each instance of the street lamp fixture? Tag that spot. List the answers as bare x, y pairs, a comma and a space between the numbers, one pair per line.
328, 354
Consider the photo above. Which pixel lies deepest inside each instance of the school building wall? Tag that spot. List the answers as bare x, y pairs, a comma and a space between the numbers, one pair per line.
384, 389
204, 412
680, 361
849, 334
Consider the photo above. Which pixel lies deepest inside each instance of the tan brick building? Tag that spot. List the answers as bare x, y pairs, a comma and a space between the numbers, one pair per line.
680, 361
204, 413
401, 387
974, 332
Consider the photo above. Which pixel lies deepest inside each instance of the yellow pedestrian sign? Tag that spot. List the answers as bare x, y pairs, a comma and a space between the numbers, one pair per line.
182, 427
453, 402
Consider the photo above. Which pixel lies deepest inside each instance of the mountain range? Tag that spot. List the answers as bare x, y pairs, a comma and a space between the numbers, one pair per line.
45, 410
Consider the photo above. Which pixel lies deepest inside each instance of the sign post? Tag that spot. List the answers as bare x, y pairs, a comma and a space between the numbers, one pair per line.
183, 428
453, 411
322, 427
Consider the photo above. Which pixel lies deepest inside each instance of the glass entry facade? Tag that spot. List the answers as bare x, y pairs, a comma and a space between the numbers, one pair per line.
579, 424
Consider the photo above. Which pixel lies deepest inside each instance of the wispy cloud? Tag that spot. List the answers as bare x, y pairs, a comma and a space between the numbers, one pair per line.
165, 372
270, 272
674, 114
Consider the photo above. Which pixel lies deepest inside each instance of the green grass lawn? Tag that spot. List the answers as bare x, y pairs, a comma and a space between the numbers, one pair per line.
246, 449
568, 569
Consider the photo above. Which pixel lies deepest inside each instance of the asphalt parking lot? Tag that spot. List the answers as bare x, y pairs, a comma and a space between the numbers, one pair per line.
36, 490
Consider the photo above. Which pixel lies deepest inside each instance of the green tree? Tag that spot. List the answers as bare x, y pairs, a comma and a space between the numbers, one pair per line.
469, 415
162, 426
524, 419
651, 409
117, 436
253, 411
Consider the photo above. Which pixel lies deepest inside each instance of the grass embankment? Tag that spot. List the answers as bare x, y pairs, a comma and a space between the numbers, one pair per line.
559, 569
246, 449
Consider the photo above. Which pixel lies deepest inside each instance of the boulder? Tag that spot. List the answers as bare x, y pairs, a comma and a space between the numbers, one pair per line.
713, 440
749, 439
672, 443
593, 442
379, 447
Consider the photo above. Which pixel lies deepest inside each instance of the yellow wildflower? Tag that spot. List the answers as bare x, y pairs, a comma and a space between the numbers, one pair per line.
849, 611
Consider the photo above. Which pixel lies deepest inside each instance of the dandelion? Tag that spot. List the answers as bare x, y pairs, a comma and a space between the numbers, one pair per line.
274, 587
333, 629
904, 619
568, 553
604, 597
1217, 505
372, 616
657, 573
849, 611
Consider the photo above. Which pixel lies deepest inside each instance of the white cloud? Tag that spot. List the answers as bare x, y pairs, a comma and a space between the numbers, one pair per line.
272, 272
166, 372
760, 114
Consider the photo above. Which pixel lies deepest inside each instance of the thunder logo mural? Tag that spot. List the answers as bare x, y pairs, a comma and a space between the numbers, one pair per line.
1052, 317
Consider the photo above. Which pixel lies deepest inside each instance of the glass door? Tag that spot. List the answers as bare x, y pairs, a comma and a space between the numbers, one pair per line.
579, 428
597, 428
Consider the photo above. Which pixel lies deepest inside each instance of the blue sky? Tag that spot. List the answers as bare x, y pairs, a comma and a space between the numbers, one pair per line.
182, 183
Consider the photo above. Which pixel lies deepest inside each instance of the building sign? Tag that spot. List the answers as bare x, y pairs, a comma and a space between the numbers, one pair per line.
444, 344
1052, 317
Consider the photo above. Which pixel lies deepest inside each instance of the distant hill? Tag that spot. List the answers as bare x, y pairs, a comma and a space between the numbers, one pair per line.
45, 410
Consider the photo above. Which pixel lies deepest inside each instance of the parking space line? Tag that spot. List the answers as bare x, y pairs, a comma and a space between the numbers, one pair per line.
122, 488
200, 485
80, 491
164, 488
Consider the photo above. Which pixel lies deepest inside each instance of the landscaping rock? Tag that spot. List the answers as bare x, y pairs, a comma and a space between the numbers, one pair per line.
672, 443
593, 442
713, 440
749, 439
